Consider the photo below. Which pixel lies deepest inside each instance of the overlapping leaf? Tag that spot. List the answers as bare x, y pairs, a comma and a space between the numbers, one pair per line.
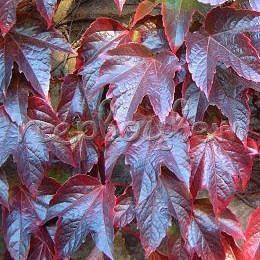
219, 163
30, 46
134, 72
120, 4
104, 34
251, 247
223, 41
8, 12
84, 206
147, 145
53, 129
9, 136
24, 216
31, 157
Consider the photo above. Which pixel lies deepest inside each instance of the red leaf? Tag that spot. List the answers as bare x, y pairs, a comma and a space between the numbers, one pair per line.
120, 4
7, 15
203, 234
8, 12
143, 9
73, 100
147, 148
84, 206
213, 2
251, 247
18, 224
229, 94
124, 210
25, 215
85, 153
4, 189
30, 46
134, 72
47, 9
16, 100
9, 136
31, 158
223, 41
219, 162
170, 198
230, 224
104, 34
177, 15
255, 5
53, 128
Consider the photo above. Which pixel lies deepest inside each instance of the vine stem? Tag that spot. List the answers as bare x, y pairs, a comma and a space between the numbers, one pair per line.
101, 167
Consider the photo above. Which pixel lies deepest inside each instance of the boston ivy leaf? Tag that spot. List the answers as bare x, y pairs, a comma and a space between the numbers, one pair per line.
18, 224
177, 15
229, 94
31, 157
84, 206
251, 247
41, 246
53, 128
9, 136
223, 41
4, 189
30, 46
229, 223
147, 148
153, 219
73, 101
213, 2
134, 72
203, 233
104, 34
196, 102
255, 5
47, 9
144, 8
124, 210
16, 100
219, 162
120, 4
7, 15
84, 152
8, 12
26, 214
150, 33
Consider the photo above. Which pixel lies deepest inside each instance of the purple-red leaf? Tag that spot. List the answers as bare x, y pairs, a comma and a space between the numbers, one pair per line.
219, 163
31, 157
213, 2
223, 41
16, 100
134, 72
4, 189
25, 215
177, 15
251, 248
147, 145
30, 46
203, 233
18, 224
73, 101
255, 4
84, 206
47, 9
120, 4
7, 15
104, 34
53, 128
9, 136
